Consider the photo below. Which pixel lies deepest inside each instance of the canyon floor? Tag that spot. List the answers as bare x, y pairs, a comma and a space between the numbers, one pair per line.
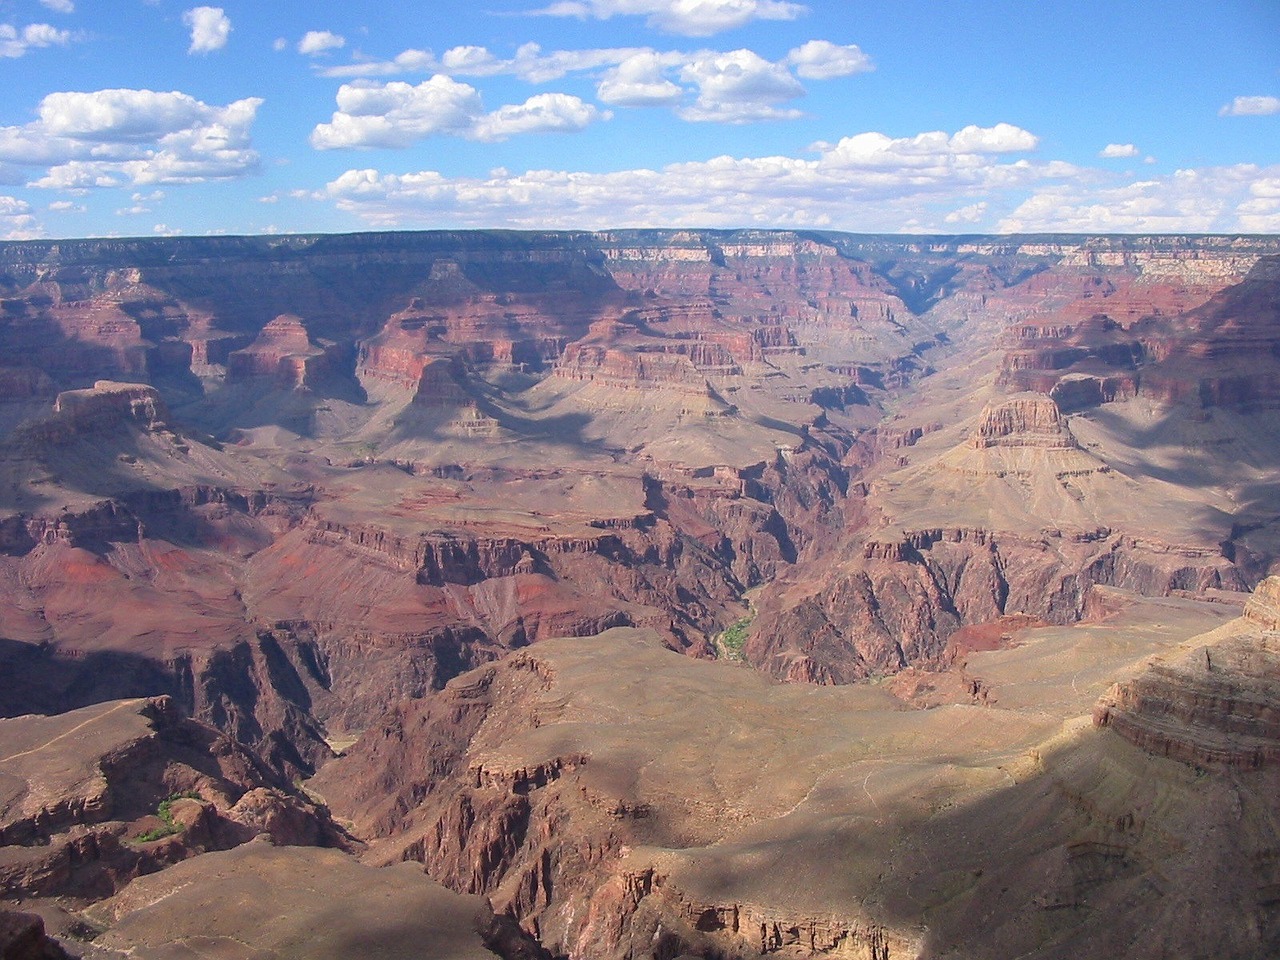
639, 594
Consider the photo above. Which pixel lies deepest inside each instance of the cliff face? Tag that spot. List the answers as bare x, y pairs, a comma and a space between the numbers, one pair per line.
1216, 706
1168, 335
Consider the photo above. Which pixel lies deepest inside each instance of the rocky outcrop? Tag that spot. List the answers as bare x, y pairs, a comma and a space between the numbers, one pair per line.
1027, 420
285, 352
104, 407
22, 937
897, 604
97, 796
1215, 706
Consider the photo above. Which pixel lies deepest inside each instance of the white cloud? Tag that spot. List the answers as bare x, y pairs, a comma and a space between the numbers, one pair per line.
529, 63
973, 213
1251, 107
399, 114
916, 184
15, 43
933, 154
66, 206
691, 18
738, 87
867, 182
210, 28
410, 61
119, 137
279, 43
532, 65
164, 230
1113, 151
544, 113
1208, 200
59, 6
1002, 138
472, 61
320, 41
17, 221
822, 60
121, 115
638, 81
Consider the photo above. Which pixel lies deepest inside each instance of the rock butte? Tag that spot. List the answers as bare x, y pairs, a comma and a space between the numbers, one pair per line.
640, 594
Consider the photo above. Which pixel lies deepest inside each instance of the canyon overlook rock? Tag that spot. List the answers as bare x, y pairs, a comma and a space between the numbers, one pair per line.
640, 594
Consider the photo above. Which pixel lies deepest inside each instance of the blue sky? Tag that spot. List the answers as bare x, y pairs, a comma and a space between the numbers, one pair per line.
142, 117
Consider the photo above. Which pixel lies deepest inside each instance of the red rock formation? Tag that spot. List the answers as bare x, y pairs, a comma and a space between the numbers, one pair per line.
1028, 420
285, 352
1205, 340
83, 819
1216, 705
106, 407
22, 937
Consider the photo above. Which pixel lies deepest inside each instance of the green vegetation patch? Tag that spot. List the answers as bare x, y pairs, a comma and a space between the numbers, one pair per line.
731, 640
165, 812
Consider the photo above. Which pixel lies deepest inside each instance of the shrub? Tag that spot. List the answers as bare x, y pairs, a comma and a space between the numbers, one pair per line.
165, 812
731, 639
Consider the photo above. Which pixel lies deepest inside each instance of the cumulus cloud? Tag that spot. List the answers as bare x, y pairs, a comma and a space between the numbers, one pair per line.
1251, 107
210, 28
1243, 197
638, 81
739, 87
1114, 151
472, 61
544, 113
823, 60
1002, 138
398, 114
59, 6
734, 87
115, 137
932, 154
690, 18
973, 213
865, 182
409, 61
529, 63
16, 220
122, 115
316, 42
15, 43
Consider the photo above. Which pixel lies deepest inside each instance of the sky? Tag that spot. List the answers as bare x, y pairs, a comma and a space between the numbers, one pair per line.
154, 117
